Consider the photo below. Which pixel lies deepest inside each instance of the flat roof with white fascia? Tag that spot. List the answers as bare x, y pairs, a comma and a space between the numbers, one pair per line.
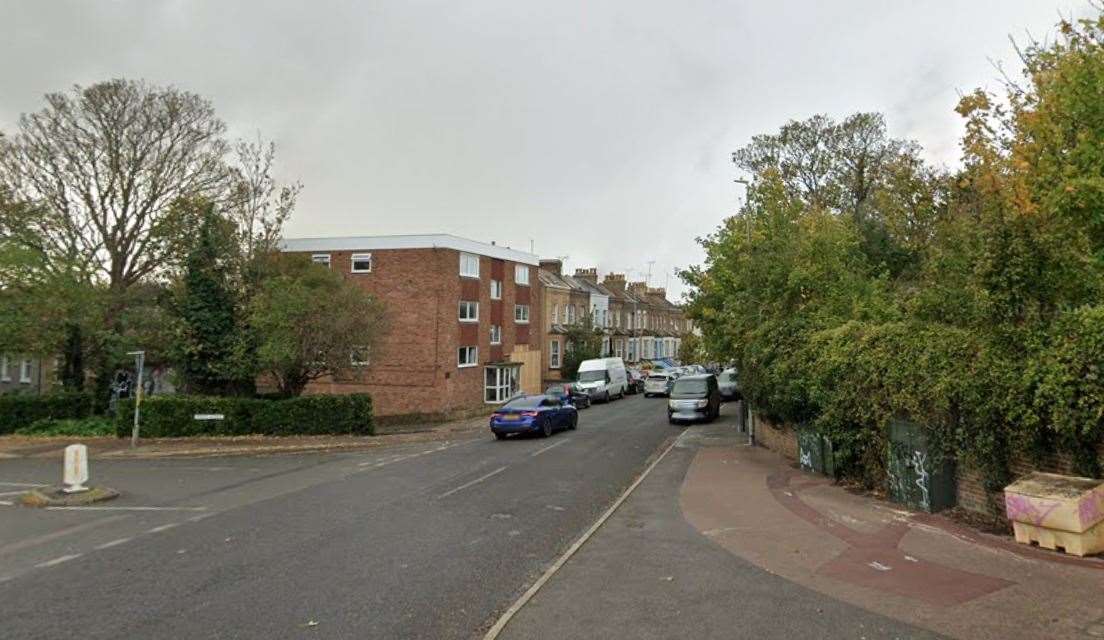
427, 241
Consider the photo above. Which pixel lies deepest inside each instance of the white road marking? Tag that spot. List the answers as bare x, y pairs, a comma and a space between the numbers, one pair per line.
551, 446
11, 493
202, 516
164, 527
114, 543
879, 566
126, 508
20, 484
473, 482
7, 503
57, 561
573, 549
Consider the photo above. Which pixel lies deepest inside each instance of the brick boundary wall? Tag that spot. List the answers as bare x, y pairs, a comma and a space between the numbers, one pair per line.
970, 494
781, 439
973, 496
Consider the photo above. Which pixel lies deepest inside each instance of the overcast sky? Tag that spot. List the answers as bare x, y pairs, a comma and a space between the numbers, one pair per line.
597, 130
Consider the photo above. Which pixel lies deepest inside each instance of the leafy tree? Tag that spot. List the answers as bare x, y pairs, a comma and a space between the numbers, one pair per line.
583, 341
210, 344
309, 323
691, 350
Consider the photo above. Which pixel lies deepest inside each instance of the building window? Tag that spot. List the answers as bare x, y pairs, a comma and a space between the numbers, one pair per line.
554, 354
521, 274
555, 314
25, 372
469, 311
358, 357
569, 314
619, 348
496, 289
496, 334
632, 349
5, 375
469, 265
361, 263
500, 384
467, 356
521, 313
321, 258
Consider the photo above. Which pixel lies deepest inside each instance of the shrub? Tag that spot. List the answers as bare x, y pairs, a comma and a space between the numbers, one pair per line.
91, 427
21, 411
174, 416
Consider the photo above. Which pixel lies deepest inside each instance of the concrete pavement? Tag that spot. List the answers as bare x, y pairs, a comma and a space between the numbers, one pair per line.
727, 541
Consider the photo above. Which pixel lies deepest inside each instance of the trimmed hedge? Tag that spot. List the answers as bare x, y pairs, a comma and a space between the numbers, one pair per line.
174, 416
19, 411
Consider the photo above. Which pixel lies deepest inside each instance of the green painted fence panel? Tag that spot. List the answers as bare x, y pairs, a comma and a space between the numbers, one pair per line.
917, 477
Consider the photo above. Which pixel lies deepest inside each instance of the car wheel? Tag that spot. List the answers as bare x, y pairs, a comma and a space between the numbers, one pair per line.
574, 422
500, 436
647, 395
546, 428
671, 420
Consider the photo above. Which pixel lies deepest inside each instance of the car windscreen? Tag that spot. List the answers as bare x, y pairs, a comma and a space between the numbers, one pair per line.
592, 376
728, 377
525, 402
690, 387
555, 390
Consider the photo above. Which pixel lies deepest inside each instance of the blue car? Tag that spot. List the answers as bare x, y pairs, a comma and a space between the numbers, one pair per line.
533, 414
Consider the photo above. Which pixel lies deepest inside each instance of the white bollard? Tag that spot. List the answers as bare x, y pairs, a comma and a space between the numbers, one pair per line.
76, 468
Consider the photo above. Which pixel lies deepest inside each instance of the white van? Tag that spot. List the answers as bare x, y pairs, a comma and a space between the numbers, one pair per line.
603, 378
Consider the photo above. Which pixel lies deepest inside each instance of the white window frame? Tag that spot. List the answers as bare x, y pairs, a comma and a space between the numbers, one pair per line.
503, 387
363, 361
467, 261
496, 289
496, 334
321, 258
360, 257
556, 314
518, 311
25, 371
554, 360
569, 314
521, 274
472, 305
472, 361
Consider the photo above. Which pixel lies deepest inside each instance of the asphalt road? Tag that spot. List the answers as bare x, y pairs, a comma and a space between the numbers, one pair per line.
419, 541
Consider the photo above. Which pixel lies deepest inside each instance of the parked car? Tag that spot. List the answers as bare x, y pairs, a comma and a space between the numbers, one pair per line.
533, 414
658, 383
636, 381
602, 378
568, 393
694, 398
729, 385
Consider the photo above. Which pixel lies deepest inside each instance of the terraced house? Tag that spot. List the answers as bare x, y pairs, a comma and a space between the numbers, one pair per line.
463, 330
638, 321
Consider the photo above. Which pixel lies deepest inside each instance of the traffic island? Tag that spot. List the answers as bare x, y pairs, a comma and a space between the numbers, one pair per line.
57, 497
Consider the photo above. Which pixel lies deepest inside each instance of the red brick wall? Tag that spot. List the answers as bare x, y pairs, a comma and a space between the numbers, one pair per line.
781, 439
414, 365
972, 495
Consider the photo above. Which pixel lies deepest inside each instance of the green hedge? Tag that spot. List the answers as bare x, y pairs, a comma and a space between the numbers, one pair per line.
174, 416
22, 410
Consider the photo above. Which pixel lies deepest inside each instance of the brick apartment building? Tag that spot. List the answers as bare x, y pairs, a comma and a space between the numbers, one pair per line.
463, 330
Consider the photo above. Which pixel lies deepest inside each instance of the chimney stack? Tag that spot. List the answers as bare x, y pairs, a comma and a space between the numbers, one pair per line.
589, 274
555, 266
615, 281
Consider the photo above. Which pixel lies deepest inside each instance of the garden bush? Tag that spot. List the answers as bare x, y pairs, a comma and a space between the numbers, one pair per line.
22, 410
174, 416
90, 427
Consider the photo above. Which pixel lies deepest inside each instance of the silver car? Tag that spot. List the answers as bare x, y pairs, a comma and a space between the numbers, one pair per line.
729, 384
657, 384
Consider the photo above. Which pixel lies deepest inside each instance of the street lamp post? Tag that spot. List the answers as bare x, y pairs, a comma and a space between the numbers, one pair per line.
139, 364
743, 401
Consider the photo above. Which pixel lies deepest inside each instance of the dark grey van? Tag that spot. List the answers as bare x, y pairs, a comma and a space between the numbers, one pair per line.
694, 398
